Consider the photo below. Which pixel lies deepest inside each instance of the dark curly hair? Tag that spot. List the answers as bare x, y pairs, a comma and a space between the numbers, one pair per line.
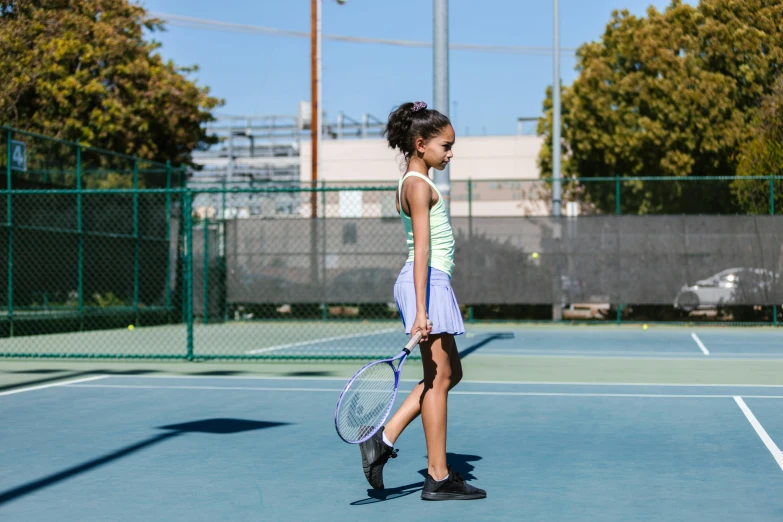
406, 124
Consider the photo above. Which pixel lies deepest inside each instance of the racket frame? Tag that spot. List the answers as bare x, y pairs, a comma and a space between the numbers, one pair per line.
401, 356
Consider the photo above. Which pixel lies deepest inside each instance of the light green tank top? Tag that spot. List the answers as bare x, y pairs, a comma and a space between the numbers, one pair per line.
441, 235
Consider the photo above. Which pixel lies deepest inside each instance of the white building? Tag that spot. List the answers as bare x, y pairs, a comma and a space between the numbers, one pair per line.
503, 171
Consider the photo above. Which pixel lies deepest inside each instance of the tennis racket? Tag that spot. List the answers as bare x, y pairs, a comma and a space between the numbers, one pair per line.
368, 397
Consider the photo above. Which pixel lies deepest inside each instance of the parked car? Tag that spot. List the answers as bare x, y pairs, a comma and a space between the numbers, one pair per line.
734, 285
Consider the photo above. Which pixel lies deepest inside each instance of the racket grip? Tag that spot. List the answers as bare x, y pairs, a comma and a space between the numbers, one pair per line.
415, 339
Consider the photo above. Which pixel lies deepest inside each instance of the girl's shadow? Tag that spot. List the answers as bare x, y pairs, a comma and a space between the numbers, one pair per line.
458, 463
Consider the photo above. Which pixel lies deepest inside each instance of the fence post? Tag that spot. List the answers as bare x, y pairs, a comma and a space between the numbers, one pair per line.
9, 224
168, 235
206, 270
79, 228
617, 212
324, 309
223, 199
470, 209
136, 244
772, 213
188, 272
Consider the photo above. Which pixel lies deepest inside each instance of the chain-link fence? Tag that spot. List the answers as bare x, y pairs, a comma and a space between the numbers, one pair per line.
108, 255
90, 243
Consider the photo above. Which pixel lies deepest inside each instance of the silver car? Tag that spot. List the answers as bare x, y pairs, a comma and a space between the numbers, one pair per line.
734, 285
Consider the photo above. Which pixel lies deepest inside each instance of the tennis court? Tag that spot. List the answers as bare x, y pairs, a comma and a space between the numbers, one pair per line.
372, 339
637, 425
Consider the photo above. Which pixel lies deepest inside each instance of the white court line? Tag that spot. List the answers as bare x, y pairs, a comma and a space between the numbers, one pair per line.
760, 431
585, 353
701, 344
507, 394
464, 381
319, 341
51, 385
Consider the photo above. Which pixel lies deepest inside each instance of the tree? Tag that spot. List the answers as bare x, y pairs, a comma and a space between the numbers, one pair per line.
82, 70
762, 156
670, 94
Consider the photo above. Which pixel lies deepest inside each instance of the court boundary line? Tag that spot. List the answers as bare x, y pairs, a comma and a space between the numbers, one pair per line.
760, 431
699, 343
53, 384
464, 381
663, 356
319, 341
486, 393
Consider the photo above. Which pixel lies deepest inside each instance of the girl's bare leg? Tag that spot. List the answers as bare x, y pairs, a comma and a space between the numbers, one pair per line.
442, 371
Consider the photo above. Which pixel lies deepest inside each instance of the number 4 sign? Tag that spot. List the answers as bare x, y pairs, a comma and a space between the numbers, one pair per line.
18, 155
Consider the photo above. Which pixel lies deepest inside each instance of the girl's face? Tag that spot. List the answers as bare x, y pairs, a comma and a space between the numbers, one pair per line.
436, 152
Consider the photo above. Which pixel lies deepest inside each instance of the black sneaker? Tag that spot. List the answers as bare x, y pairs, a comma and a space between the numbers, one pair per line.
375, 453
453, 488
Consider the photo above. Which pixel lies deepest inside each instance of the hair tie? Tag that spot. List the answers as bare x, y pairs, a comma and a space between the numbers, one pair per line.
419, 106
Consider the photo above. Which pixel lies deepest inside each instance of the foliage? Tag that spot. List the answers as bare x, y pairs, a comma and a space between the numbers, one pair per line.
674, 93
81, 70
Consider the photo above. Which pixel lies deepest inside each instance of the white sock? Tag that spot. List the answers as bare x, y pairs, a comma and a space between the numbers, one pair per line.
444, 479
387, 441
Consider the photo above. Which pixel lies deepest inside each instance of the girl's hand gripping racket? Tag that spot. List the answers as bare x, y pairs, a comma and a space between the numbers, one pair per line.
368, 397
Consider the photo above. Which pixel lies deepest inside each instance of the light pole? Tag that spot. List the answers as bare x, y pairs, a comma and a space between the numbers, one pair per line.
316, 93
440, 58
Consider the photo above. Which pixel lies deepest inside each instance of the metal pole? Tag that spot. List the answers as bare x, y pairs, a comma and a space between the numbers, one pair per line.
206, 270
557, 311
79, 225
772, 213
10, 222
440, 45
771, 195
470, 209
168, 235
223, 200
136, 244
188, 273
556, 174
324, 304
230, 171
314, 106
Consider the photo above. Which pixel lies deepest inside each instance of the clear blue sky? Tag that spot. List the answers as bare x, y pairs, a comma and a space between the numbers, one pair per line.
259, 74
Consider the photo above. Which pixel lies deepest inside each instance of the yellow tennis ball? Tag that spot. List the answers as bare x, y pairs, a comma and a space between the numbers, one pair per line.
131, 327
535, 255
644, 327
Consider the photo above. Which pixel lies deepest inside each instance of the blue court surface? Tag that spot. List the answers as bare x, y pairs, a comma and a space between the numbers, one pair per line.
203, 448
655, 342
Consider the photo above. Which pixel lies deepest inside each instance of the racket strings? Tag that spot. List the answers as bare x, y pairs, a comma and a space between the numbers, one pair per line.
365, 404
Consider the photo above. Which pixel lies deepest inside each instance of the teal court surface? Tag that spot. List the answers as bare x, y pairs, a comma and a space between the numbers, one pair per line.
556, 423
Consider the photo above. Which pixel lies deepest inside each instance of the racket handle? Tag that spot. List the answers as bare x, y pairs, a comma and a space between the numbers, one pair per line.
416, 338
414, 341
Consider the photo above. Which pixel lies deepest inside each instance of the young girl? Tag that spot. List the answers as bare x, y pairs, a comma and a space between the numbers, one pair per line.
425, 300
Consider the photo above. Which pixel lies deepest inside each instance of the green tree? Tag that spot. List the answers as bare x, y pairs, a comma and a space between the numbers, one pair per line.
762, 156
82, 70
673, 93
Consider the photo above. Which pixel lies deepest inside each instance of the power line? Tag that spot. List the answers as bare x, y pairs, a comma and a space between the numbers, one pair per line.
216, 25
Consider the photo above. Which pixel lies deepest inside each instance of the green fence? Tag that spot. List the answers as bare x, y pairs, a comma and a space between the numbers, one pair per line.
110, 256
90, 240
